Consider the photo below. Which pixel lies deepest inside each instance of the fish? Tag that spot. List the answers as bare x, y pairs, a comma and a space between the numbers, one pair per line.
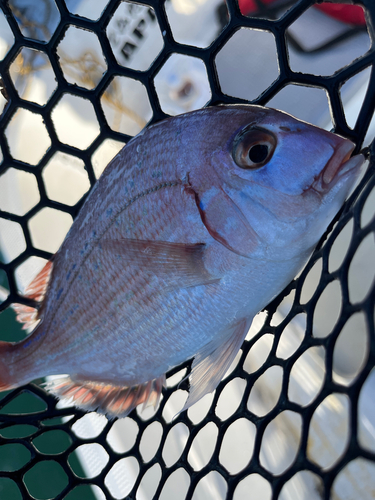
193, 228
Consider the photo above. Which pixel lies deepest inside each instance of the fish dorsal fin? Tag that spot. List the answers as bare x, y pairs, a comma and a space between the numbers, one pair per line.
38, 287
180, 265
26, 315
111, 400
36, 290
212, 362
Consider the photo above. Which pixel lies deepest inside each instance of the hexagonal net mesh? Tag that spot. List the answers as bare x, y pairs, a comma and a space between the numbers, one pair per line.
294, 418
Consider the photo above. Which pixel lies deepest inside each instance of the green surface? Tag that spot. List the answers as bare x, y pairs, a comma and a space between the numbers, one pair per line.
9, 490
52, 442
46, 480
13, 457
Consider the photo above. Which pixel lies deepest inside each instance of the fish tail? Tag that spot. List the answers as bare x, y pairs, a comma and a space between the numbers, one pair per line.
6, 381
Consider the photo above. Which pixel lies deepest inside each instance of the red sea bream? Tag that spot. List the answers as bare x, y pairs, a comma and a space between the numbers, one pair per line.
194, 227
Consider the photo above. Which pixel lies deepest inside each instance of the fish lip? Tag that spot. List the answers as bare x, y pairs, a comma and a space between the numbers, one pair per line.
339, 157
338, 165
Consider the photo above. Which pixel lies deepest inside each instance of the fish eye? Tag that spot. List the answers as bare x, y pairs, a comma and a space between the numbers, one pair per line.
253, 148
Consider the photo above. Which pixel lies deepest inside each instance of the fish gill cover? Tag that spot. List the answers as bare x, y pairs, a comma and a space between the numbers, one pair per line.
294, 416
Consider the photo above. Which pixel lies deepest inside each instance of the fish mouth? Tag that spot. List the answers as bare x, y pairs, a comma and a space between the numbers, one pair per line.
339, 164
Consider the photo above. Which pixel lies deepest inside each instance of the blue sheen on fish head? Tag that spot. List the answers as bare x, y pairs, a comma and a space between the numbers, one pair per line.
284, 178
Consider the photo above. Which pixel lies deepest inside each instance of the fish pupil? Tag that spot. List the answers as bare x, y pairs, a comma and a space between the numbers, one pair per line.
258, 153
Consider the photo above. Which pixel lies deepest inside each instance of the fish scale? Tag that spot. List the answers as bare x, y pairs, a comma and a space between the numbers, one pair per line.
181, 242
137, 283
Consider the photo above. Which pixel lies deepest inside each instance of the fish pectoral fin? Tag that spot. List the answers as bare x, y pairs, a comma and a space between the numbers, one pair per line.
226, 223
27, 315
111, 400
212, 362
180, 265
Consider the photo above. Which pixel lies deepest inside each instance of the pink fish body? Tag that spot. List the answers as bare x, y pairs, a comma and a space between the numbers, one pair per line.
192, 229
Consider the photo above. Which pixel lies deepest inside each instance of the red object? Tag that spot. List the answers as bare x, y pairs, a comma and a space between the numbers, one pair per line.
250, 6
350, 14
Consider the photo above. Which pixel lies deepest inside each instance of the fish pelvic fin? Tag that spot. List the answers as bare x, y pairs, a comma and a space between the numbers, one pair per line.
36, 290
212, 362
110, 400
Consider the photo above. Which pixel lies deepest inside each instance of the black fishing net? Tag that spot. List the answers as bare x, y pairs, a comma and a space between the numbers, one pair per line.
294, 418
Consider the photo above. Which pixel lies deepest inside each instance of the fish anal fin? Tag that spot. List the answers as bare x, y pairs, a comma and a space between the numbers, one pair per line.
180, 265
111, 400
36, 290
212, 362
